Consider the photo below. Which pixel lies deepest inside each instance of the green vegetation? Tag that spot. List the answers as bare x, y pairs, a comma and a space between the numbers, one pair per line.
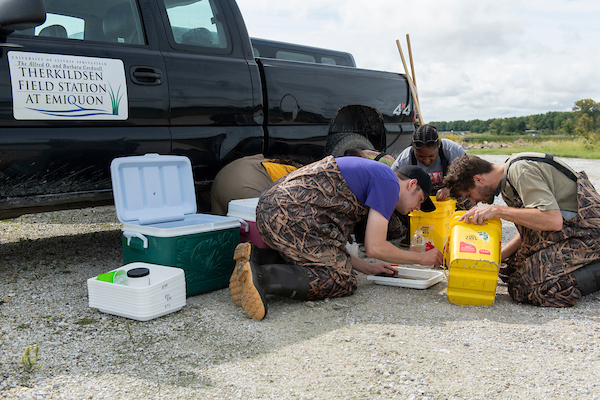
573, 133
582, 121
86, 321
30, 358
566, 148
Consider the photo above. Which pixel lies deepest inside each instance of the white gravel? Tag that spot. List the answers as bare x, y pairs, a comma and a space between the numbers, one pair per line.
382, 342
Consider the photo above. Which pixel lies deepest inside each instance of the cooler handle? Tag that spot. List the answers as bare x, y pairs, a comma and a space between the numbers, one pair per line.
128, 235
246, 225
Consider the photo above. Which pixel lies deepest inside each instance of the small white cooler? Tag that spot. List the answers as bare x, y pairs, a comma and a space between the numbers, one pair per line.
165, 294
245, 211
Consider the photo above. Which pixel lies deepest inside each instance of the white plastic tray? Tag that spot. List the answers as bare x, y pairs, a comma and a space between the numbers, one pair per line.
409, 278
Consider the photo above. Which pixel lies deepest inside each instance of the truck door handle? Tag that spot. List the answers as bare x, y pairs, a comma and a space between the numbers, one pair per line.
143, 75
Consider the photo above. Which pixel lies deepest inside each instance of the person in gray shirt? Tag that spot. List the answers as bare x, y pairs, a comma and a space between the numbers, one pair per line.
431, 154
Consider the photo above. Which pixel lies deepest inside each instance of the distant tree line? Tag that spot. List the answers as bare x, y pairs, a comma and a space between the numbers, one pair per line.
583, 120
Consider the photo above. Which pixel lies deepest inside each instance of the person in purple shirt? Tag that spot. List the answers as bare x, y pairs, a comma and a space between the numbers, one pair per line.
306, 218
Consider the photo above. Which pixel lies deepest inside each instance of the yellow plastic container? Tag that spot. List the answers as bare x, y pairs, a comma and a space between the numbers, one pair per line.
473, 260
435, 224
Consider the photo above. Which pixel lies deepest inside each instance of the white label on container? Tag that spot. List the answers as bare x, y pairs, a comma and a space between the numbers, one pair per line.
54, 86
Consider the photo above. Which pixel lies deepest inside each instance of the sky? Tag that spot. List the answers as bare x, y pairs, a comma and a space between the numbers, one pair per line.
473, 59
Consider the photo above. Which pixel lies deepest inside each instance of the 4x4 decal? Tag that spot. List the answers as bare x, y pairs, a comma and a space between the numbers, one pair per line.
402, 109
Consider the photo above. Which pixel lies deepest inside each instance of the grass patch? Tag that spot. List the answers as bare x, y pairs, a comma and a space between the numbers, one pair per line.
559, 148
480, 138
31, 357
87, 321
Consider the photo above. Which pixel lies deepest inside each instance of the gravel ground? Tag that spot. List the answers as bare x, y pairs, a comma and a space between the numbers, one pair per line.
382, 342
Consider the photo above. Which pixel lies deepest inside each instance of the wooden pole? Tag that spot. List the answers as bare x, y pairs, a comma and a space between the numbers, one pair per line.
411, 85
412, 65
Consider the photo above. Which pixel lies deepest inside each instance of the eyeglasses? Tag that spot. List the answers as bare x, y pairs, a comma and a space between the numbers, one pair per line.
419, 144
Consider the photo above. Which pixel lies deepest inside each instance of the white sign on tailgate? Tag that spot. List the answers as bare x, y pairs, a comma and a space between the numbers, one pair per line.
53, 86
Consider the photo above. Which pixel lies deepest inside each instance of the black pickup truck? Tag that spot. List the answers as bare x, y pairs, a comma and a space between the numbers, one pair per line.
83, 82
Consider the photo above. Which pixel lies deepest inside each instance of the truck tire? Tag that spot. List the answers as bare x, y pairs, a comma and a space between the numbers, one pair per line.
340, 142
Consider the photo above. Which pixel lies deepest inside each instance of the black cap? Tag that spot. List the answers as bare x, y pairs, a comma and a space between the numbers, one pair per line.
424, 181
138, 272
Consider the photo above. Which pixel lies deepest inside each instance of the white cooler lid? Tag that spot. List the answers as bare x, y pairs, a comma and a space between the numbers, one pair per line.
243, 208
153, 188
191, 224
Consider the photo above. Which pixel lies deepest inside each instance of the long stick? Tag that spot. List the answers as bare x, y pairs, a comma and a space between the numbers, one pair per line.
412, 66
411, 85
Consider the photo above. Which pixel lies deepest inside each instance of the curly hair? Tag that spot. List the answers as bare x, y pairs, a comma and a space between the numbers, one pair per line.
461, 171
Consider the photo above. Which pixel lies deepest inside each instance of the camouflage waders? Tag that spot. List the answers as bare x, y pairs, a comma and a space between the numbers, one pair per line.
308, 216
540, 271
398, 226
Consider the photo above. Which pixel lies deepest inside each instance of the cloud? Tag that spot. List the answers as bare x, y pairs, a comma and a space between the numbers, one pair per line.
473, 59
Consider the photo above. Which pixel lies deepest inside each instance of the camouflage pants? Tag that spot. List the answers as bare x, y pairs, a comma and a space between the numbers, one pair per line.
398, 226
308, 216
540, 271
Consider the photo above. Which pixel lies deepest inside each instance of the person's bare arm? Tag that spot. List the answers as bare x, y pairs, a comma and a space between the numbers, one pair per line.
442, 194
511, 247
366, 268
533, 218
377, 246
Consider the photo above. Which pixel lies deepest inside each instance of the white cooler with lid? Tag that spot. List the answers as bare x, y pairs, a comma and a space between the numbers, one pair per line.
155, 200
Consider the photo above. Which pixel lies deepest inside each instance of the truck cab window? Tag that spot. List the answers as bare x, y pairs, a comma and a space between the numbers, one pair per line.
329, 61
61, 26
294, 56
196, 23
114, 21
295, 52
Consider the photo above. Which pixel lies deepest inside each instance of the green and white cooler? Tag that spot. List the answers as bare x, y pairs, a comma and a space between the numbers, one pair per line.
155, 200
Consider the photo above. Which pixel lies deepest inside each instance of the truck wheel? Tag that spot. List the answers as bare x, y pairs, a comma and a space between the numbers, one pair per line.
340, 142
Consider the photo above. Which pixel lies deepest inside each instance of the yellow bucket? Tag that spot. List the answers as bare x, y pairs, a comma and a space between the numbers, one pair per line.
435, 224
473, 260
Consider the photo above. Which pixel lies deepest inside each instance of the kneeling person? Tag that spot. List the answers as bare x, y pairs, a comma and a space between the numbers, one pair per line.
553, 259
307, 217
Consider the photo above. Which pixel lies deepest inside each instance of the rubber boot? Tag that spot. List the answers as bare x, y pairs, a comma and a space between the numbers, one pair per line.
588, 278
245, 252
258, 281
